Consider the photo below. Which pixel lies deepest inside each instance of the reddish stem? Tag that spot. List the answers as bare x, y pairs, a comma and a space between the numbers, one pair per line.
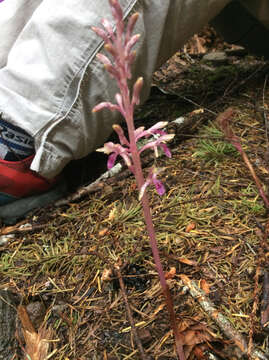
255, 177
150, 228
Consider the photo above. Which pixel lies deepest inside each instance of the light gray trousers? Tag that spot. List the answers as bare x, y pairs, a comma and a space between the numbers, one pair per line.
50, 79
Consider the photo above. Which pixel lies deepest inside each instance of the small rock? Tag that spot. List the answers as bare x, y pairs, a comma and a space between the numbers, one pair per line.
145, 336
36, 311
236, 51
217, 57
4, 239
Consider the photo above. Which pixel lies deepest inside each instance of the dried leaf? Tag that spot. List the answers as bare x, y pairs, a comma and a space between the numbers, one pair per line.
188, 262
107, 275
159, 308
25, 319
191, 226
103, 232
205, 286
171, 273
191, 337
111, 215
37, 343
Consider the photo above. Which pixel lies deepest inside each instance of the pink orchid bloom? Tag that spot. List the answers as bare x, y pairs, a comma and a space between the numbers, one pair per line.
152, 179
155, 129
122, 137
116, 150
160, 141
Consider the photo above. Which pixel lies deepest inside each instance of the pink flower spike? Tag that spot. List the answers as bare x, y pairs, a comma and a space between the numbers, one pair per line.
122, 137
106, 105
152, 179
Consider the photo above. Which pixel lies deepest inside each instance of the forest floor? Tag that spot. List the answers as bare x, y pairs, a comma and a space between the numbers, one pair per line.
211, 227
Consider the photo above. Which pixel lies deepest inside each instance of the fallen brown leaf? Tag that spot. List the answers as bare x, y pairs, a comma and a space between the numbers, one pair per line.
191, 226
37, 343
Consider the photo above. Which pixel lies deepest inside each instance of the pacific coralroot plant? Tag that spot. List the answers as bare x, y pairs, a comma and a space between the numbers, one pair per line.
119, 46
224, 122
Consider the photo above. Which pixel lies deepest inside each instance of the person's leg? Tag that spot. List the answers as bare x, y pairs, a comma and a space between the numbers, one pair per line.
52, 80
15, 144
14, 14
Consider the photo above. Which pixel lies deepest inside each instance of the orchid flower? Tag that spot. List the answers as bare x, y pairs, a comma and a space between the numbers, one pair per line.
119, 46
115, 150
152, 179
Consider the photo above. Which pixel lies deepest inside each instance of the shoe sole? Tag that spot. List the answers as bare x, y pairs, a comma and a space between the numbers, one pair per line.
10, 214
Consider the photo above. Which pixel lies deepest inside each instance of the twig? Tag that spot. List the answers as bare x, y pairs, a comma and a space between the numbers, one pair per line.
254, 308
129, 314
21, 229
264, 113
265, 301
242, 82
98, 184
220, 319
192, 102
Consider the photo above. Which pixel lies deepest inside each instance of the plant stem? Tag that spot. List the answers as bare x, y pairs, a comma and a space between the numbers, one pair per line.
255, 177
130, 317
153, 243
147, 214
165, 287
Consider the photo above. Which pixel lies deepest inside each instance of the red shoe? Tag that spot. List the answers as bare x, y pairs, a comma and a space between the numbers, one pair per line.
22, 190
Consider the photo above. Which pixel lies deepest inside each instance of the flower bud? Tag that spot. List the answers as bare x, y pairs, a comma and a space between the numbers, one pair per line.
136, 91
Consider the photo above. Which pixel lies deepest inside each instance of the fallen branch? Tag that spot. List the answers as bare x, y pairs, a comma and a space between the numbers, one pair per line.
254, 308
221, 320
265, 302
